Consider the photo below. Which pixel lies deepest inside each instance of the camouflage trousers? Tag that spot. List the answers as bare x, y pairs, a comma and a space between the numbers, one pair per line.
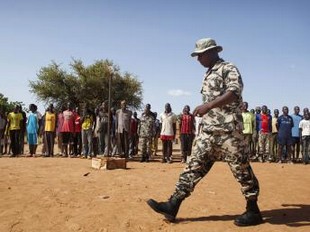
210, 147
249, 145
145, 145
263, 142
273, 146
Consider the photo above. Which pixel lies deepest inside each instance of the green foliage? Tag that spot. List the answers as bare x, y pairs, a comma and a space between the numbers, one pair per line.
6, 105
86, 85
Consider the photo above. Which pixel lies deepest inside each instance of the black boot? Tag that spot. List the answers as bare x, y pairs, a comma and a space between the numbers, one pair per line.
251, 216
169, 209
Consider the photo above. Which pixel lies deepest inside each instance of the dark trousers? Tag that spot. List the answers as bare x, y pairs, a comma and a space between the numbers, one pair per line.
21, 141
305, 148
123, 143
167, 148
1, 140
49, 140
15, 141
186, 144
95, 146
77, 143
134, 141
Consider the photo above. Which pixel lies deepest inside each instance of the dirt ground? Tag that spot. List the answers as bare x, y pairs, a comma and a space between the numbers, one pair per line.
66, 194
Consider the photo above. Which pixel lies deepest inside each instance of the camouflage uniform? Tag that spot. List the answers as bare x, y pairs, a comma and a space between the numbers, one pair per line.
221, 136
146, 132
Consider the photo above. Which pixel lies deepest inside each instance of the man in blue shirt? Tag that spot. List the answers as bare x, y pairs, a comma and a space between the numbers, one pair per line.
285, 124
295, 133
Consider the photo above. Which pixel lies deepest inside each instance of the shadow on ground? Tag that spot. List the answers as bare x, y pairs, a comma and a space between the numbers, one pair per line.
292, 215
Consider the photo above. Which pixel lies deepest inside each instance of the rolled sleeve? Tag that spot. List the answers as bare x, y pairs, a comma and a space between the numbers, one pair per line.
233, 80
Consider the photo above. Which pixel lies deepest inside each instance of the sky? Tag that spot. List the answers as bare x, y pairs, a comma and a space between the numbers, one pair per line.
268, 40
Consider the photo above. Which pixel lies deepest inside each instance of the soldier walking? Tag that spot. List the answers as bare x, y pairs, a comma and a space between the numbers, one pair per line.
220, 137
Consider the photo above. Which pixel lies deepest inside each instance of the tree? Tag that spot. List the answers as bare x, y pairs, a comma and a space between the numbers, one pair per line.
86, 85
6, 105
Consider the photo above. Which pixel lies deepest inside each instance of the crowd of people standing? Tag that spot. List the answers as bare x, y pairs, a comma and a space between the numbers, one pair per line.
276, 138
86, 133
82, 133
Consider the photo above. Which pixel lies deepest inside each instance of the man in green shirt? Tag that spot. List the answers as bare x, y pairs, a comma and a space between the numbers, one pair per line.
248, 128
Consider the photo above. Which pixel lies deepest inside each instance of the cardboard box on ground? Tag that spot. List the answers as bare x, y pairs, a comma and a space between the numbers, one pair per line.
109, 163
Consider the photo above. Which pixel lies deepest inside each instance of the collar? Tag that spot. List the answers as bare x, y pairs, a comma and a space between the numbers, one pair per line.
217, 64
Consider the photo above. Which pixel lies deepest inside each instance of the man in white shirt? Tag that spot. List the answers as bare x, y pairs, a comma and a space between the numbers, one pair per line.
304, 127
168, 130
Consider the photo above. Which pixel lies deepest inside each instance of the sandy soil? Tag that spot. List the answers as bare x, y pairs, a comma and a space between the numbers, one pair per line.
65, 194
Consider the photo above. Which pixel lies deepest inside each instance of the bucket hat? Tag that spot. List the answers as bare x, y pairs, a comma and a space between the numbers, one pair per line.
205, 44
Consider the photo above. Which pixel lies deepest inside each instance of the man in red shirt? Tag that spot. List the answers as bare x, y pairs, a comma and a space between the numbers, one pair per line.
265, 125
134, 138
68, 129
187, 132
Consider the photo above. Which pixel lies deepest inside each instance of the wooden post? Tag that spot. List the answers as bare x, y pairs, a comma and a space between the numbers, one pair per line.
109, 111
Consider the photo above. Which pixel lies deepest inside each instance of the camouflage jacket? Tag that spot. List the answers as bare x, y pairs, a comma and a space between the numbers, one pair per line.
146, 128
222, 77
